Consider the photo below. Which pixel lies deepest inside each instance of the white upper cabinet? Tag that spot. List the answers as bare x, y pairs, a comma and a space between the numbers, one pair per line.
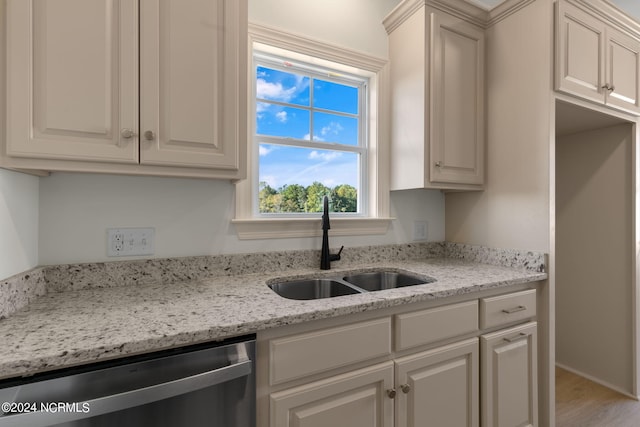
596, 61
127, 86
72, 79
437, 108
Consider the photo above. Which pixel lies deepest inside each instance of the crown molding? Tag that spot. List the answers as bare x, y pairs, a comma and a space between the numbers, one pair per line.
463, 9
606, 11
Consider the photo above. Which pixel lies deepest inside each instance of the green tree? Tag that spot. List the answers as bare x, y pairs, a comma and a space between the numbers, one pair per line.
269, 199
315, 193
344, 198
294, 198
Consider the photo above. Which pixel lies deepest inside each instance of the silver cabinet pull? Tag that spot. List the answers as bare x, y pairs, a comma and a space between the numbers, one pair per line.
515, 309
391, 393
608, 87
127, 133
406, 388
149, 135
518, 337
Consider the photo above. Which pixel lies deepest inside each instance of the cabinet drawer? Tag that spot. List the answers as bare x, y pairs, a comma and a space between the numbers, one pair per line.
505, 309
318, 351
435, 324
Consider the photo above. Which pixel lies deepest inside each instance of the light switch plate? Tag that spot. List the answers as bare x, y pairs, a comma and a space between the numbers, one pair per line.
130, 241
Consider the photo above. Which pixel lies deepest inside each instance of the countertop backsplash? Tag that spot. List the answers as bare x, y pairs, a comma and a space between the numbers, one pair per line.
19, 290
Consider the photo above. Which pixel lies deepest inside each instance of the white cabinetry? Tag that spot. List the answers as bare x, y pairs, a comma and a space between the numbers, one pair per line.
596, 61
428, 370
509, 377
127, 86
437, 84
439, 387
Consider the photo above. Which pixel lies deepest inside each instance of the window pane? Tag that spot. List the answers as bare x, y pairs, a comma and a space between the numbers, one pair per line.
294, 179
276, 120
335, 96
274, 85
333, 128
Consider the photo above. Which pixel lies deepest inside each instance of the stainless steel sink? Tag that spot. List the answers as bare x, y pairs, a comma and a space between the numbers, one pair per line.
313, 289
349, 283
380, 280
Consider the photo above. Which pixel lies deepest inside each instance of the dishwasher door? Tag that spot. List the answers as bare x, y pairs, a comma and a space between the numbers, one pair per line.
212, 387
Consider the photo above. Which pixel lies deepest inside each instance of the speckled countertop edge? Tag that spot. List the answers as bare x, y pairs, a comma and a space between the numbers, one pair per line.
63, 329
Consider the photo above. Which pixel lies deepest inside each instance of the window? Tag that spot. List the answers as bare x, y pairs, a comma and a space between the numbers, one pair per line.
310, 138
318, 128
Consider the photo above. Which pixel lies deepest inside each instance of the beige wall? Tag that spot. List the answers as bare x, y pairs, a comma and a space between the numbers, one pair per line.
513, 211
594, 254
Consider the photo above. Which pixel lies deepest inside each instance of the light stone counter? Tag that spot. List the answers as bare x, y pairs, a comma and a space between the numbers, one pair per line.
95, 323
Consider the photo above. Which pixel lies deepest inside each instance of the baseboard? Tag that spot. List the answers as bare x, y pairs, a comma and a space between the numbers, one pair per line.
598, 381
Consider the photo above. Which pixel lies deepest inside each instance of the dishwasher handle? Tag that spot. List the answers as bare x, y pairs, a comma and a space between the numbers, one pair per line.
129, 399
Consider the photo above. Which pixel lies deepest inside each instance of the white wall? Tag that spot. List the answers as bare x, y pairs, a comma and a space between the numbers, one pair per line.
18, 222
192, 217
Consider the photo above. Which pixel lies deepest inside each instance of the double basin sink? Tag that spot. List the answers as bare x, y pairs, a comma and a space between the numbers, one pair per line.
346, 283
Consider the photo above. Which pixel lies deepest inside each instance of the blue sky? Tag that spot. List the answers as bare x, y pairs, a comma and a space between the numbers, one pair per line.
281, 164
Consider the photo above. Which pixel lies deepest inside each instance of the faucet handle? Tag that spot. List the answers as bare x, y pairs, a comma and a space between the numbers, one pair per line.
336, 257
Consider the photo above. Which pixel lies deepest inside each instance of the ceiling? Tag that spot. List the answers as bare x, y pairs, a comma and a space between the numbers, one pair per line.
632, 7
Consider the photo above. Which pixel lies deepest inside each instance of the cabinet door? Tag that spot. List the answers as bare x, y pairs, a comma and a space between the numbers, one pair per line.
623, 71
580, 44
509, 377
355, 399
439, 387
193, 82
457, 101
72, 74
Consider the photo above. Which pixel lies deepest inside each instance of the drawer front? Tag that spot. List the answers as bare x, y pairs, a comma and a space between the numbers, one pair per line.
505, 309
435, 324
314, 352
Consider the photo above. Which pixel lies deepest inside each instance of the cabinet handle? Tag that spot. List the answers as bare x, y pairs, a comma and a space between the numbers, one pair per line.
516, 338
438, 164
149, 135
127, 133
515, 309
406, 388
391, 393
608, 87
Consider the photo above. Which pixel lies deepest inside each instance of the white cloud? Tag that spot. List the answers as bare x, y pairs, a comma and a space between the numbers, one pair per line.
281, 116
324, 156
263, 151
275, 91
332, 128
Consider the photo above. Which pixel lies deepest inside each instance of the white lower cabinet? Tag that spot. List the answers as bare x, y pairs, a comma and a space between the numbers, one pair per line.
354, 399
439, 387
509, 377
416, 376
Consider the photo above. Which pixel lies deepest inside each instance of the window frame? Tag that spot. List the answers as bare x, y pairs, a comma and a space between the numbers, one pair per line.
374, 218
361, 148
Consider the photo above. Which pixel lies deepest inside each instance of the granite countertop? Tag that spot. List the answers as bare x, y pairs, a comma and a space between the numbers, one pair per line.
62, 329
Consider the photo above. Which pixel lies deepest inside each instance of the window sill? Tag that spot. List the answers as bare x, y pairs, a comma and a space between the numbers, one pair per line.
265, 228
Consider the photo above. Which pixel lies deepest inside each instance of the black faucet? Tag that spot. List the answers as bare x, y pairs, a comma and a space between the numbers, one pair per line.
326, 257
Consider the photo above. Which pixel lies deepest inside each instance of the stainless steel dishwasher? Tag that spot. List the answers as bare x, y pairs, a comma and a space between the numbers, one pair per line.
211, 385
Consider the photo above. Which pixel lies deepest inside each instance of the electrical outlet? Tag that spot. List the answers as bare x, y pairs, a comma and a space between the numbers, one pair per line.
420, 230
130, 241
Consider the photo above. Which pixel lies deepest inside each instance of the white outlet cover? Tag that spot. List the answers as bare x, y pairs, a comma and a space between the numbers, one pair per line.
123, 242
420, 230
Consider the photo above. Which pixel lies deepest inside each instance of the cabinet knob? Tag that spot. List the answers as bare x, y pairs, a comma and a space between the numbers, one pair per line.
149, 135
127, 133
438, 164
391, 393
406, 388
